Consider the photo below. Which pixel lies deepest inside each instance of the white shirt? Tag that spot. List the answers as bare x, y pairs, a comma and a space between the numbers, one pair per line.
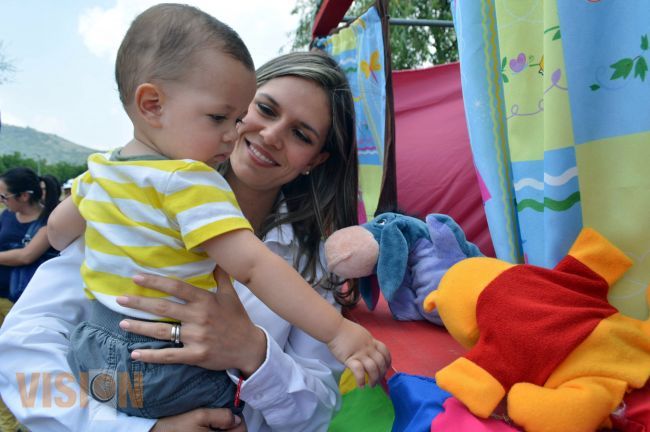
295, 389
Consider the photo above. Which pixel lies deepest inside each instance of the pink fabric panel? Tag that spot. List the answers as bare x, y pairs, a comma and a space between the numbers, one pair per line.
435, 172
456, 418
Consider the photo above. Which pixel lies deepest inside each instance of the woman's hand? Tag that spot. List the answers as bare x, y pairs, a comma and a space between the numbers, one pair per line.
216, 331
202, 419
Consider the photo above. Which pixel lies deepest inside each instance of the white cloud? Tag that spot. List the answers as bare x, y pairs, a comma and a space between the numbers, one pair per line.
103, 29
262, 24
10, 119
49, 124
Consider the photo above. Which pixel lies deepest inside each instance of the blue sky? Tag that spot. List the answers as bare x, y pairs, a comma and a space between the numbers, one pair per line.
64, 51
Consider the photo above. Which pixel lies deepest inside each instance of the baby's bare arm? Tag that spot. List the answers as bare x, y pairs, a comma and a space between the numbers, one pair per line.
65, 224
281, 288
274, 282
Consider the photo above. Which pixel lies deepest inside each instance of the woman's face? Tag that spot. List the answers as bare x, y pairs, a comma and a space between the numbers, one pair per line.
11, 201
283, 133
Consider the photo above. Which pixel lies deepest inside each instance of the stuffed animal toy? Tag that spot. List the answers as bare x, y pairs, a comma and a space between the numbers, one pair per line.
548, 338
408, 256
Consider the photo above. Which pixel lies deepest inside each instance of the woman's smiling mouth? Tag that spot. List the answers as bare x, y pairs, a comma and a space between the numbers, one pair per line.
259, 155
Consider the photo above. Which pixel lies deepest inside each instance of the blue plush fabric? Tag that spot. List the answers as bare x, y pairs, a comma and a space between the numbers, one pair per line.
417, 400
413, 257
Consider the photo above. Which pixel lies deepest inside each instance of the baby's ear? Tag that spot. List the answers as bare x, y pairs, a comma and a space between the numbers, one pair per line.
148, 101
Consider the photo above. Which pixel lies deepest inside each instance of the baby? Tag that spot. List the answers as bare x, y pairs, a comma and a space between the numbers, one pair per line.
156, 206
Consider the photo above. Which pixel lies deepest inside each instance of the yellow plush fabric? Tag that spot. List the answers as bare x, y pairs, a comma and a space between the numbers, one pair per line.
590, 383
585, 388
594, 251
472, 385
459, 312
577, 405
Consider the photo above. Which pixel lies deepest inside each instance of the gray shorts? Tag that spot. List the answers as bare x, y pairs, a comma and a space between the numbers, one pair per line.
100, 358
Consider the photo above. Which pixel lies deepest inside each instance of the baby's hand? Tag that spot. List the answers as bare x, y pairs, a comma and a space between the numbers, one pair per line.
354, 346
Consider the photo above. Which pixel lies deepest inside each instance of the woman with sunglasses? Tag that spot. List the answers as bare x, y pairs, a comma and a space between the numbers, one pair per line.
23, 236
23, 239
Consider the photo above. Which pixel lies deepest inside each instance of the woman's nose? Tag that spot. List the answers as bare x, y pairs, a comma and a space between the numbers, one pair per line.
272, 135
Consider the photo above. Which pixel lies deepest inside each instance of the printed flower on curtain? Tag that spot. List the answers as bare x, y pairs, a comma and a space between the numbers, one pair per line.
520, 63
623, 67
370, 68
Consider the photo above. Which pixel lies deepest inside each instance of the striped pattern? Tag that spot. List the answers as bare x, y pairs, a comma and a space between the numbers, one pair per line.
150, 217
550, 203
499, 132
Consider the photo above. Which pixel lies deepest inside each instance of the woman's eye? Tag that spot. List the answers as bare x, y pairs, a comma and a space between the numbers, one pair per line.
301, 136
265, 109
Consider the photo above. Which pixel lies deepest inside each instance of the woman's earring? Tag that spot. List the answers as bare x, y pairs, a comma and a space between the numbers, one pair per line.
306, 173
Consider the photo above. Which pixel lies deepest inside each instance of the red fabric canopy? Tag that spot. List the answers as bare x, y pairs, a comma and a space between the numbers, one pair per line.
435, 172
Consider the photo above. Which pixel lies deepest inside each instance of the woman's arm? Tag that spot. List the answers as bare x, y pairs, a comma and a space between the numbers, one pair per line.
295, 388
30, 253
35, 380
294, 384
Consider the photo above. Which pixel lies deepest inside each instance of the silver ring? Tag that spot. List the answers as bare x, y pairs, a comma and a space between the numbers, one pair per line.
176, 334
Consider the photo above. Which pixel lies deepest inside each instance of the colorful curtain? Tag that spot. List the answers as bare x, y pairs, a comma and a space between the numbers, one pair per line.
359, 50
435, 172
556, 98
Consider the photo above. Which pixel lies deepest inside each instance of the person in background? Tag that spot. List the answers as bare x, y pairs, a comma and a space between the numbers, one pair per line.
67, 188
23, 241
55, 184
23, 231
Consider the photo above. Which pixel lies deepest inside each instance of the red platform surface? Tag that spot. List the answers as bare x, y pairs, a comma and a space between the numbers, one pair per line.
417, 347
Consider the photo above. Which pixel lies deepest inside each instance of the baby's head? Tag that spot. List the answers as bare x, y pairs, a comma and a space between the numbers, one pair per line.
185, 80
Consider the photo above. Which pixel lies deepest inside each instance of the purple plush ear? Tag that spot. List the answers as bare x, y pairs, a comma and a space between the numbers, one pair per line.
369, 289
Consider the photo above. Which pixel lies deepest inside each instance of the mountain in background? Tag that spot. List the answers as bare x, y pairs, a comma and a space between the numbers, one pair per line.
40, 145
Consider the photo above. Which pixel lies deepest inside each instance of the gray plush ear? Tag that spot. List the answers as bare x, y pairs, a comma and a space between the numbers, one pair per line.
393, 257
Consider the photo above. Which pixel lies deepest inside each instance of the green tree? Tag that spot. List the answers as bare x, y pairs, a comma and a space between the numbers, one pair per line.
411, 46
61, 170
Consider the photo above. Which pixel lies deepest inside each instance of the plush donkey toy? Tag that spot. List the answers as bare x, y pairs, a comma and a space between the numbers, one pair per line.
407, 255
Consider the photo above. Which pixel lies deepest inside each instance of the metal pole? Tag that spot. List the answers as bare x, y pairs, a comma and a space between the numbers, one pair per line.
412, 22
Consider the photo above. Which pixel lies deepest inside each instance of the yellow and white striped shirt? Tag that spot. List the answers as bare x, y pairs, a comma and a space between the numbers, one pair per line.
150, 216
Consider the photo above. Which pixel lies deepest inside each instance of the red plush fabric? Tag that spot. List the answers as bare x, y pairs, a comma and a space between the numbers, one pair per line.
435, 171
559, 309
417, 347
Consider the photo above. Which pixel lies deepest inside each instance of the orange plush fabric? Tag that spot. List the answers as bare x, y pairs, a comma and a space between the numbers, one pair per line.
547, 338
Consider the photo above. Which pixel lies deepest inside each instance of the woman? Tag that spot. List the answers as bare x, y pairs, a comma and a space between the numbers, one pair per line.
23, 235
23, 240
303, 107
29, 200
